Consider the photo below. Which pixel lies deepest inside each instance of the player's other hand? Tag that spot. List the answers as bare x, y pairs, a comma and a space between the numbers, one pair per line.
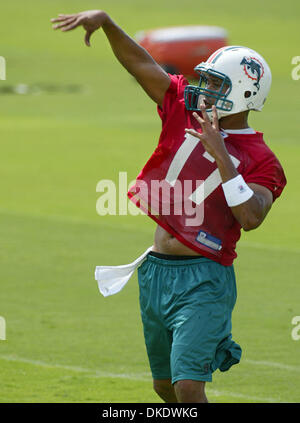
210, 136
91, 20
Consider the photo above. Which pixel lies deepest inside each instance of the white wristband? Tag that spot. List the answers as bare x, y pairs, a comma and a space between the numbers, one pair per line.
236, 191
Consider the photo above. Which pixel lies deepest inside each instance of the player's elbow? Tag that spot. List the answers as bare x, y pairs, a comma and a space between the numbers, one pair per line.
248, 228
252, 217
251, 223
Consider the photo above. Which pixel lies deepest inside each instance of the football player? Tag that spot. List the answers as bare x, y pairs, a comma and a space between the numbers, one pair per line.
187, 282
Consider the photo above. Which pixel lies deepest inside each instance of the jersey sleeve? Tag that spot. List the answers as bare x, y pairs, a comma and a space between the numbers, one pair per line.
268, 173
174, 92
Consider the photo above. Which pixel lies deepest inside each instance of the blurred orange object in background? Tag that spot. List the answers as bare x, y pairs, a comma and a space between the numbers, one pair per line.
179, 49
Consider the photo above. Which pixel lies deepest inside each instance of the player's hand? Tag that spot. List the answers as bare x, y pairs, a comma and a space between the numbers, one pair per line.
210, 137
91, 20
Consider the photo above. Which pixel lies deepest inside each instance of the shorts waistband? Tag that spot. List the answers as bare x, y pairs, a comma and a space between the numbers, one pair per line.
175, 260
172, 257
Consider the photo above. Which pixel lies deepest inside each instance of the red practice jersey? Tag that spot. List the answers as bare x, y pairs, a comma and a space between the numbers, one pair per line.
180, 185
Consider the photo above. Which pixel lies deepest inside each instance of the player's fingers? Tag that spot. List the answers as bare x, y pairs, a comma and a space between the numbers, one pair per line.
62, 18
194, 133
64, 23
67, 16
72, 25
87, 38
198, 118
203, 123
204, 114
215, 118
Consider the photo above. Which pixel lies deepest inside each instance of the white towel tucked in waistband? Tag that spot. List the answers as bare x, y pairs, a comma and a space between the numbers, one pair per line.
111, 279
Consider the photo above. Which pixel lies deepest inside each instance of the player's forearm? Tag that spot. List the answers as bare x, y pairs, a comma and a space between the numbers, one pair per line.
252, 212
130, 54
138, 62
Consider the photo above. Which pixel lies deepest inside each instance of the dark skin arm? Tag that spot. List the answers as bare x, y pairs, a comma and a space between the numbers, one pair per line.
251, 213
134, 58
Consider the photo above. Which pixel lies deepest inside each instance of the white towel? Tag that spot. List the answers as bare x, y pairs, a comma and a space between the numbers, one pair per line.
111, 279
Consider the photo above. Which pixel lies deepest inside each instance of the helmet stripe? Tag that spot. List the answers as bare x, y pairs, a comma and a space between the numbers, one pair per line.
220, 52
214, 54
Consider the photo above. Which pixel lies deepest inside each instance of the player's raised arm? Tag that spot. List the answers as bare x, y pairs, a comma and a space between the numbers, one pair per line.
138, 62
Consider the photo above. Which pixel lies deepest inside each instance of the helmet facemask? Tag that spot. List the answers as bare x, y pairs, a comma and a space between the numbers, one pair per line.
195, 95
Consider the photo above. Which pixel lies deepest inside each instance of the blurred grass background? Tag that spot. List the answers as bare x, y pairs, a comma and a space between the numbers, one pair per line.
65, 342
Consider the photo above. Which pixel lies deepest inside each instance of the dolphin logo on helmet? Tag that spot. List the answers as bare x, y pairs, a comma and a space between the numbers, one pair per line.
252, 64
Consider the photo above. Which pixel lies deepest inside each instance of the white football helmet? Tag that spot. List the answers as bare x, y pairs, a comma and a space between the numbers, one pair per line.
245, 82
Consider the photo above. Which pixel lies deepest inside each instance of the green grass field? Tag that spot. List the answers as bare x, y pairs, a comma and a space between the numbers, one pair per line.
65, 342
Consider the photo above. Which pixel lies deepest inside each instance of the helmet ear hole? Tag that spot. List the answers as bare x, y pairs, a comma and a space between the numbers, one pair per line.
247, 94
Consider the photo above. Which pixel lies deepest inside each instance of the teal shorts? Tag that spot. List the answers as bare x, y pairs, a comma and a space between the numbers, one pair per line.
186, 308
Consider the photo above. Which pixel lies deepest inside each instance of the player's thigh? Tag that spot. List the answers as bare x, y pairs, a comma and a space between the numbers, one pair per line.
158, 342
158, 338
202, 341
